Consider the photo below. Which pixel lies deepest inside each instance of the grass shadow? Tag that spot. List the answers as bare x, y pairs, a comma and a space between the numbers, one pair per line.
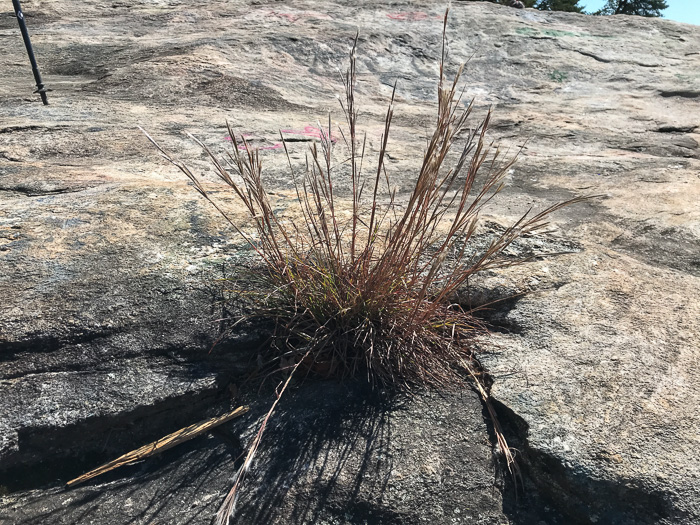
323, 457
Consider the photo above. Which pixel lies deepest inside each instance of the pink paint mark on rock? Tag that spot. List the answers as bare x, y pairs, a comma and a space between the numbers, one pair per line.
289, 16
309, 131
276, 145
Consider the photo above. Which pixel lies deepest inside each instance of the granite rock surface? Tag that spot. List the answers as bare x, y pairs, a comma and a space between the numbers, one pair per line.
110, 264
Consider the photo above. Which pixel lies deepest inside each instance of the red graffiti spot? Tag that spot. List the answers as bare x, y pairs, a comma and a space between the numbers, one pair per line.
292, 18
309, 131
276, 145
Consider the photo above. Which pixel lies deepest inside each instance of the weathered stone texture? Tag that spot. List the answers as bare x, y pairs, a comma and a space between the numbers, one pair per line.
107, 260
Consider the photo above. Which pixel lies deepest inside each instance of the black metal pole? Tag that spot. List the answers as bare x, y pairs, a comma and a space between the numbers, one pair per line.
28, 44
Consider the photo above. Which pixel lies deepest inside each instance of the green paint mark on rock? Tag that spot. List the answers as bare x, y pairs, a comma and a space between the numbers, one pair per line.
556, 33
526, 31
558, 76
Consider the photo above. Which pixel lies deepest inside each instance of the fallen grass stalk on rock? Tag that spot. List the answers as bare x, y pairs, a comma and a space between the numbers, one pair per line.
164, 443
373, 293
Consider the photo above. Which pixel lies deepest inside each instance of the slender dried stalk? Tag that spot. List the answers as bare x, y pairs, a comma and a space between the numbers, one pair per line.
164, 443
229, 504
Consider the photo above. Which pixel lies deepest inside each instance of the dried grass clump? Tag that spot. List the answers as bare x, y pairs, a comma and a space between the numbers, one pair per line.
370, 292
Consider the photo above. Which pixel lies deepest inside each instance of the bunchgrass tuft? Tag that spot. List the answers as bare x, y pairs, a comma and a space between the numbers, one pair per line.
371, 294
365, 285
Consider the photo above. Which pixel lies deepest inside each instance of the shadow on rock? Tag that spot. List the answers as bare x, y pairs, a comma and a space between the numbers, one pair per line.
178, 486
347, 454
332, 453
325, 452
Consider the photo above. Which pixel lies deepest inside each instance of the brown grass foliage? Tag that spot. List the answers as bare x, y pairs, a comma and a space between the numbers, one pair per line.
370, 291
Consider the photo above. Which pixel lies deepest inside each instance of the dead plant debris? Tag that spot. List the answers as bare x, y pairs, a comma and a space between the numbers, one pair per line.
164, 443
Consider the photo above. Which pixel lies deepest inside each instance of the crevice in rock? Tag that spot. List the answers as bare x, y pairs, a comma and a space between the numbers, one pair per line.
45, 343
298, 139
9, 158
676, 129
572, 489
32, 127
38, 192
608, 60
495, 313
593, 56
680, 93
